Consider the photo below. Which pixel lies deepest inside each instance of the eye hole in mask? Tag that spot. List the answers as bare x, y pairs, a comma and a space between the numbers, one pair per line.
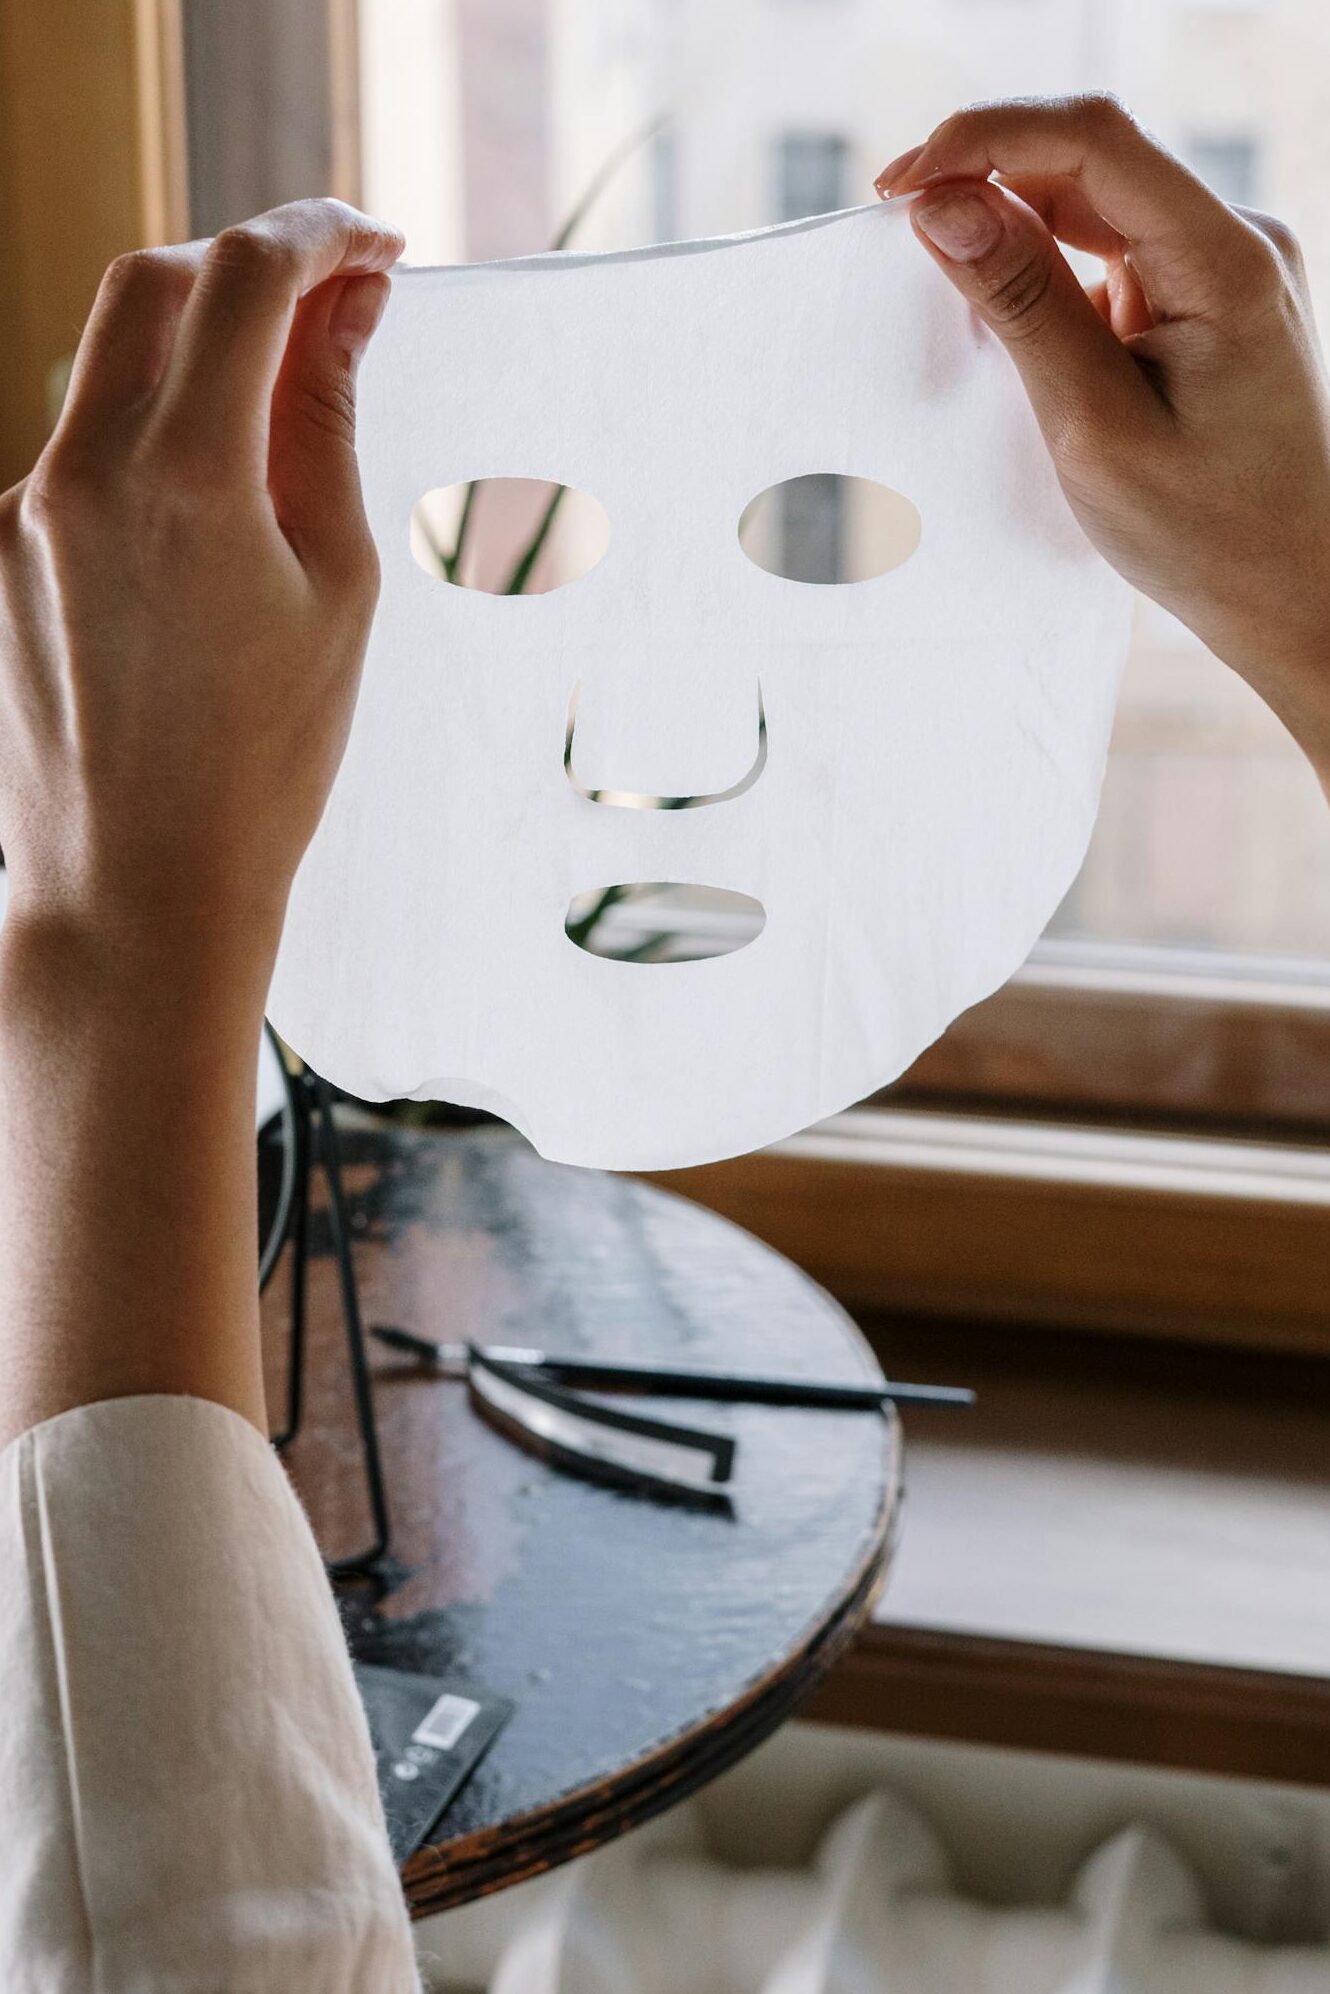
662, 921
827, 528
509, 536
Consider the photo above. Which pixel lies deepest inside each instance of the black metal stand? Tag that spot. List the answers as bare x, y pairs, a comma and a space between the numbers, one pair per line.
315, 1139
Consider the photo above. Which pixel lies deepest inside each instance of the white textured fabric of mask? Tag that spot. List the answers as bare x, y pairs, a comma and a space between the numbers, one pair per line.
903, 771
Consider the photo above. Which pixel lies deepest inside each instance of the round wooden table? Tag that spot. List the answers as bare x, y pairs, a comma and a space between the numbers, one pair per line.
646, 1647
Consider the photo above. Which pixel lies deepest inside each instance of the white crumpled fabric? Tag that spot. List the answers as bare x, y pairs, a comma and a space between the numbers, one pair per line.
878, 1911
187, 1790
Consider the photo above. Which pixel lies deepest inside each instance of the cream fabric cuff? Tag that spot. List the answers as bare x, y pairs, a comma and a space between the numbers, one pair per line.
187, 1791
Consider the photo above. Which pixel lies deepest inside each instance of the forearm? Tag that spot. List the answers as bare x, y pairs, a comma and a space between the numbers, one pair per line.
127, 1199
186, 586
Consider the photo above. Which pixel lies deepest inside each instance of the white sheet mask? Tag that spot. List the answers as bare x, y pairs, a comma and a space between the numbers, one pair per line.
916, 803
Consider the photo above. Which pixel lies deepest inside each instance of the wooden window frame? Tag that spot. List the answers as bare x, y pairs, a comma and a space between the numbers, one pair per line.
1181, 1038
1133, 1140
91, 165
94, 161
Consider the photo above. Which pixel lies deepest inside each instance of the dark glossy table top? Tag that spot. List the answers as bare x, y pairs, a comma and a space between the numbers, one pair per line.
644, 1646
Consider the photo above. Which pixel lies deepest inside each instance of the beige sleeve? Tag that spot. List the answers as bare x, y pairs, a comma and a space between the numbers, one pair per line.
187, 1792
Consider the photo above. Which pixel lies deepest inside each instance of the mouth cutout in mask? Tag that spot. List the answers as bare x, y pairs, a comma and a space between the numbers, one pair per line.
859, 803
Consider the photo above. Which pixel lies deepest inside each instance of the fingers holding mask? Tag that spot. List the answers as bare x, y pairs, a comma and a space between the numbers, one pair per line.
313, 475
128, 340
1183, 398
190, 342
216, 396
1001, 255
1183, 239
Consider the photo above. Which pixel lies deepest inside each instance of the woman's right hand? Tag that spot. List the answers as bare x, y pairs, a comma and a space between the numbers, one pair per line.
1184, 403
186, 587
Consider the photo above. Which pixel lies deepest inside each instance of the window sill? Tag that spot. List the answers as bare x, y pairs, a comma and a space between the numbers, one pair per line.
1118, 1558
1211, 1239
1173, 1037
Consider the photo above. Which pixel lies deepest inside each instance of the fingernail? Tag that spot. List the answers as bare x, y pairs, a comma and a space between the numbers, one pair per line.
963, 226
356, 312
891, 173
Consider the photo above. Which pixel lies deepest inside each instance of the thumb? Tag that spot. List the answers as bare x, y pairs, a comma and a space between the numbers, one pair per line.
999, 255
313, 476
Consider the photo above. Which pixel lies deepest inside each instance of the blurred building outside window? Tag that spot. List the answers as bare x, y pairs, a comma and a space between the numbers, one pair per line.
810, 174
1228, 164
810, 180
664, 185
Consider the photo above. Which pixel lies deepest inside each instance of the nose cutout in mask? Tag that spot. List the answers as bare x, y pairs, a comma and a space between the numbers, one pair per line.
826, 528
508, 536
635, 799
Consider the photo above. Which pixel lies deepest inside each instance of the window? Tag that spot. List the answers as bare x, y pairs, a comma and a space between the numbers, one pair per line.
1213, 834
812, 529
1213, 837
484, 129
1228, 164
665, 184
810, 180
810, 175
1185, 982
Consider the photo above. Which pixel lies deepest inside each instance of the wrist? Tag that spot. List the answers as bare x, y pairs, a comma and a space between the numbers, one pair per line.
126, 972
1296, 688
1281, 647
137, 1270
